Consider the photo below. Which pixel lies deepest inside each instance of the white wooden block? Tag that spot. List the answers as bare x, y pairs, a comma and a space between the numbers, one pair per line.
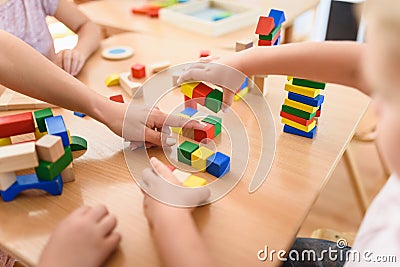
181, 176
18, 157
50, 148
159, 66
128, 85
7, 179
67, 175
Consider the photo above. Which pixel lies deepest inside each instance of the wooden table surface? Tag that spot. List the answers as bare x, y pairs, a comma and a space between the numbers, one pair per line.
235, 227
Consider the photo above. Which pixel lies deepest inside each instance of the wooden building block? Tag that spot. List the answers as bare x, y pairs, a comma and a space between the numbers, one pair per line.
39, 134
243, 45
56, 126
194, 181
67, 175
259, 82
272, 35
187, 88
17, 124
49, 170
214, 100
181, 176
112, 79
200, 92
189, 112
78, 114
278, 16
199, 158
315, 102
205, 134
138, 71
292, 130
130, 87
298, 112
7, 179
308, 83
185, 151
49, 148
318, 113
301, 106
265, 25
204, 53
269, 42
40, 116
18, 157
298, 125
297, 119
216, 121
302, 90
5, 141
218, 165
241, 94
78, 143
159, 66
117, 98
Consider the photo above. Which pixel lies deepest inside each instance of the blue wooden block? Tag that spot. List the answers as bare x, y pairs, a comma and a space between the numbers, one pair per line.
189, 111
291, 130
245, 83
218, 165
278, 16
31, 181
278, 41
76, 113
56, 126
315, 102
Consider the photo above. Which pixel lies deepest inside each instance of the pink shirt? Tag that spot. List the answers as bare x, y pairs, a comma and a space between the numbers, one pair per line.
26, 19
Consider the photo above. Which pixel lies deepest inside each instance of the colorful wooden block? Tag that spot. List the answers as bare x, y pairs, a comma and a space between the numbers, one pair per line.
185, 151
291, 130
308, 83
214, 100
265, 25
301, 106
130, 87
194, 181
17, 124
299, 126
50, 148
178, 130
278, 41
181, 176
5, 141
7, 179
205, 134
272, 35
112, 79
278, 16
138, 71
18, 157
39, 134
49, 170
245, 83
78, 114
56, 126
31, 181
310, 92
187, 88
318, 113
296, 119
298, 112
243, 45
315, 102
40, 116
218, 165
189, 112
199, 158
159, 66
200, 92
241, 94
67, 175
269, 42
117, 98
78, 143
216, 121
204, 53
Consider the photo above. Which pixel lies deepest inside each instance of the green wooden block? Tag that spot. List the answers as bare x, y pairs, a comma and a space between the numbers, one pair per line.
49, 170
78, 143
308, 83
40, 115
185, 151
270, 36
298, 112
214, 100
216, 121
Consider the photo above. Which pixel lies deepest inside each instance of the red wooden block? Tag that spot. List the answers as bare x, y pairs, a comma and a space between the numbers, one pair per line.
207, 132
269, 43
318, 113
189, 103
172, 168
200, 93
265, 25
138, 71
143, 9
117, 98
153, 11
204, 53
16, 124
297, 119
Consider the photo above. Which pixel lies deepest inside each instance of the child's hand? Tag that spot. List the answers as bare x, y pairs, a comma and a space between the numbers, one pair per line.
85, 238
163, 189
71, 61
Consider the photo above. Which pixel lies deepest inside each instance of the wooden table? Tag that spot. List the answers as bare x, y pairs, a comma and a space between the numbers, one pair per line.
118, 17
234, 228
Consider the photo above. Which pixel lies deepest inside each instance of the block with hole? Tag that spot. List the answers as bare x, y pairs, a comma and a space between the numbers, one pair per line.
56, 126
194, 181
187, 88
298, 112
265, 25
315, 102
49, 148
205, 134
7, 179
216, 121
129, 86
300, 106
309, 83
200, 93
301, 90
117, 98
18, 157
49, 170
138, 71
218, 165
78, 143
112, 79
185, 151
199, 158
297, 119
16, 124
278, 16
40, 116
214, 100
292, 130
304, 128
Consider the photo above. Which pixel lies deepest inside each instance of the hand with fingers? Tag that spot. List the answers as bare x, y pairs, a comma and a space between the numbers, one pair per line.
71, 61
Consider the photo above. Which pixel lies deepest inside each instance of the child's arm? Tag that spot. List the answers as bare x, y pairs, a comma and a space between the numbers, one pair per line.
177, 238
89, 37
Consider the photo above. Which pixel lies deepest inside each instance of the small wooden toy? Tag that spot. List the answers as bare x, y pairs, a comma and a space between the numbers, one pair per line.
310, 92
200, 92
50, 148
159, 66
218, 165
216, 121
7, 179
181, 176
187, 89
298, 112
189, 112
40, 116
243, 45
78, 143
199, 158
278, 16
78, 114
205, 134
204, 53
268, 42
194, 181
292, 130
265, 25
130, 87
185, 151
308, 83
276, 31
296, 118
17, 124
214, 100
11, 100
240, 95
39, 134
49, 170
117, 98
117, 53
67, 175
318, 113
138, 71
112, 79
301, 106
18, 157
298, 125
56, 126
315, 102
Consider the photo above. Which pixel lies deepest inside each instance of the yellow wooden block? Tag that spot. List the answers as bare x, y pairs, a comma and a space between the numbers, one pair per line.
178, 130
289, 78
187, 89
112, 79
199, 158
69, 137
38, 134
299, 126
194, 181
5, 141
241, 94
310, 92
301, 106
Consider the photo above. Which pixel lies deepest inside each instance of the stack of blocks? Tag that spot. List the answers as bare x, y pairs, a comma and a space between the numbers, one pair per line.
269, 28
302, 107
203, 95
50, 154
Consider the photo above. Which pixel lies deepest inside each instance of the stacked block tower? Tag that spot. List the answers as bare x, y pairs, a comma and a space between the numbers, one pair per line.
49, 154
269, 28
302, 107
